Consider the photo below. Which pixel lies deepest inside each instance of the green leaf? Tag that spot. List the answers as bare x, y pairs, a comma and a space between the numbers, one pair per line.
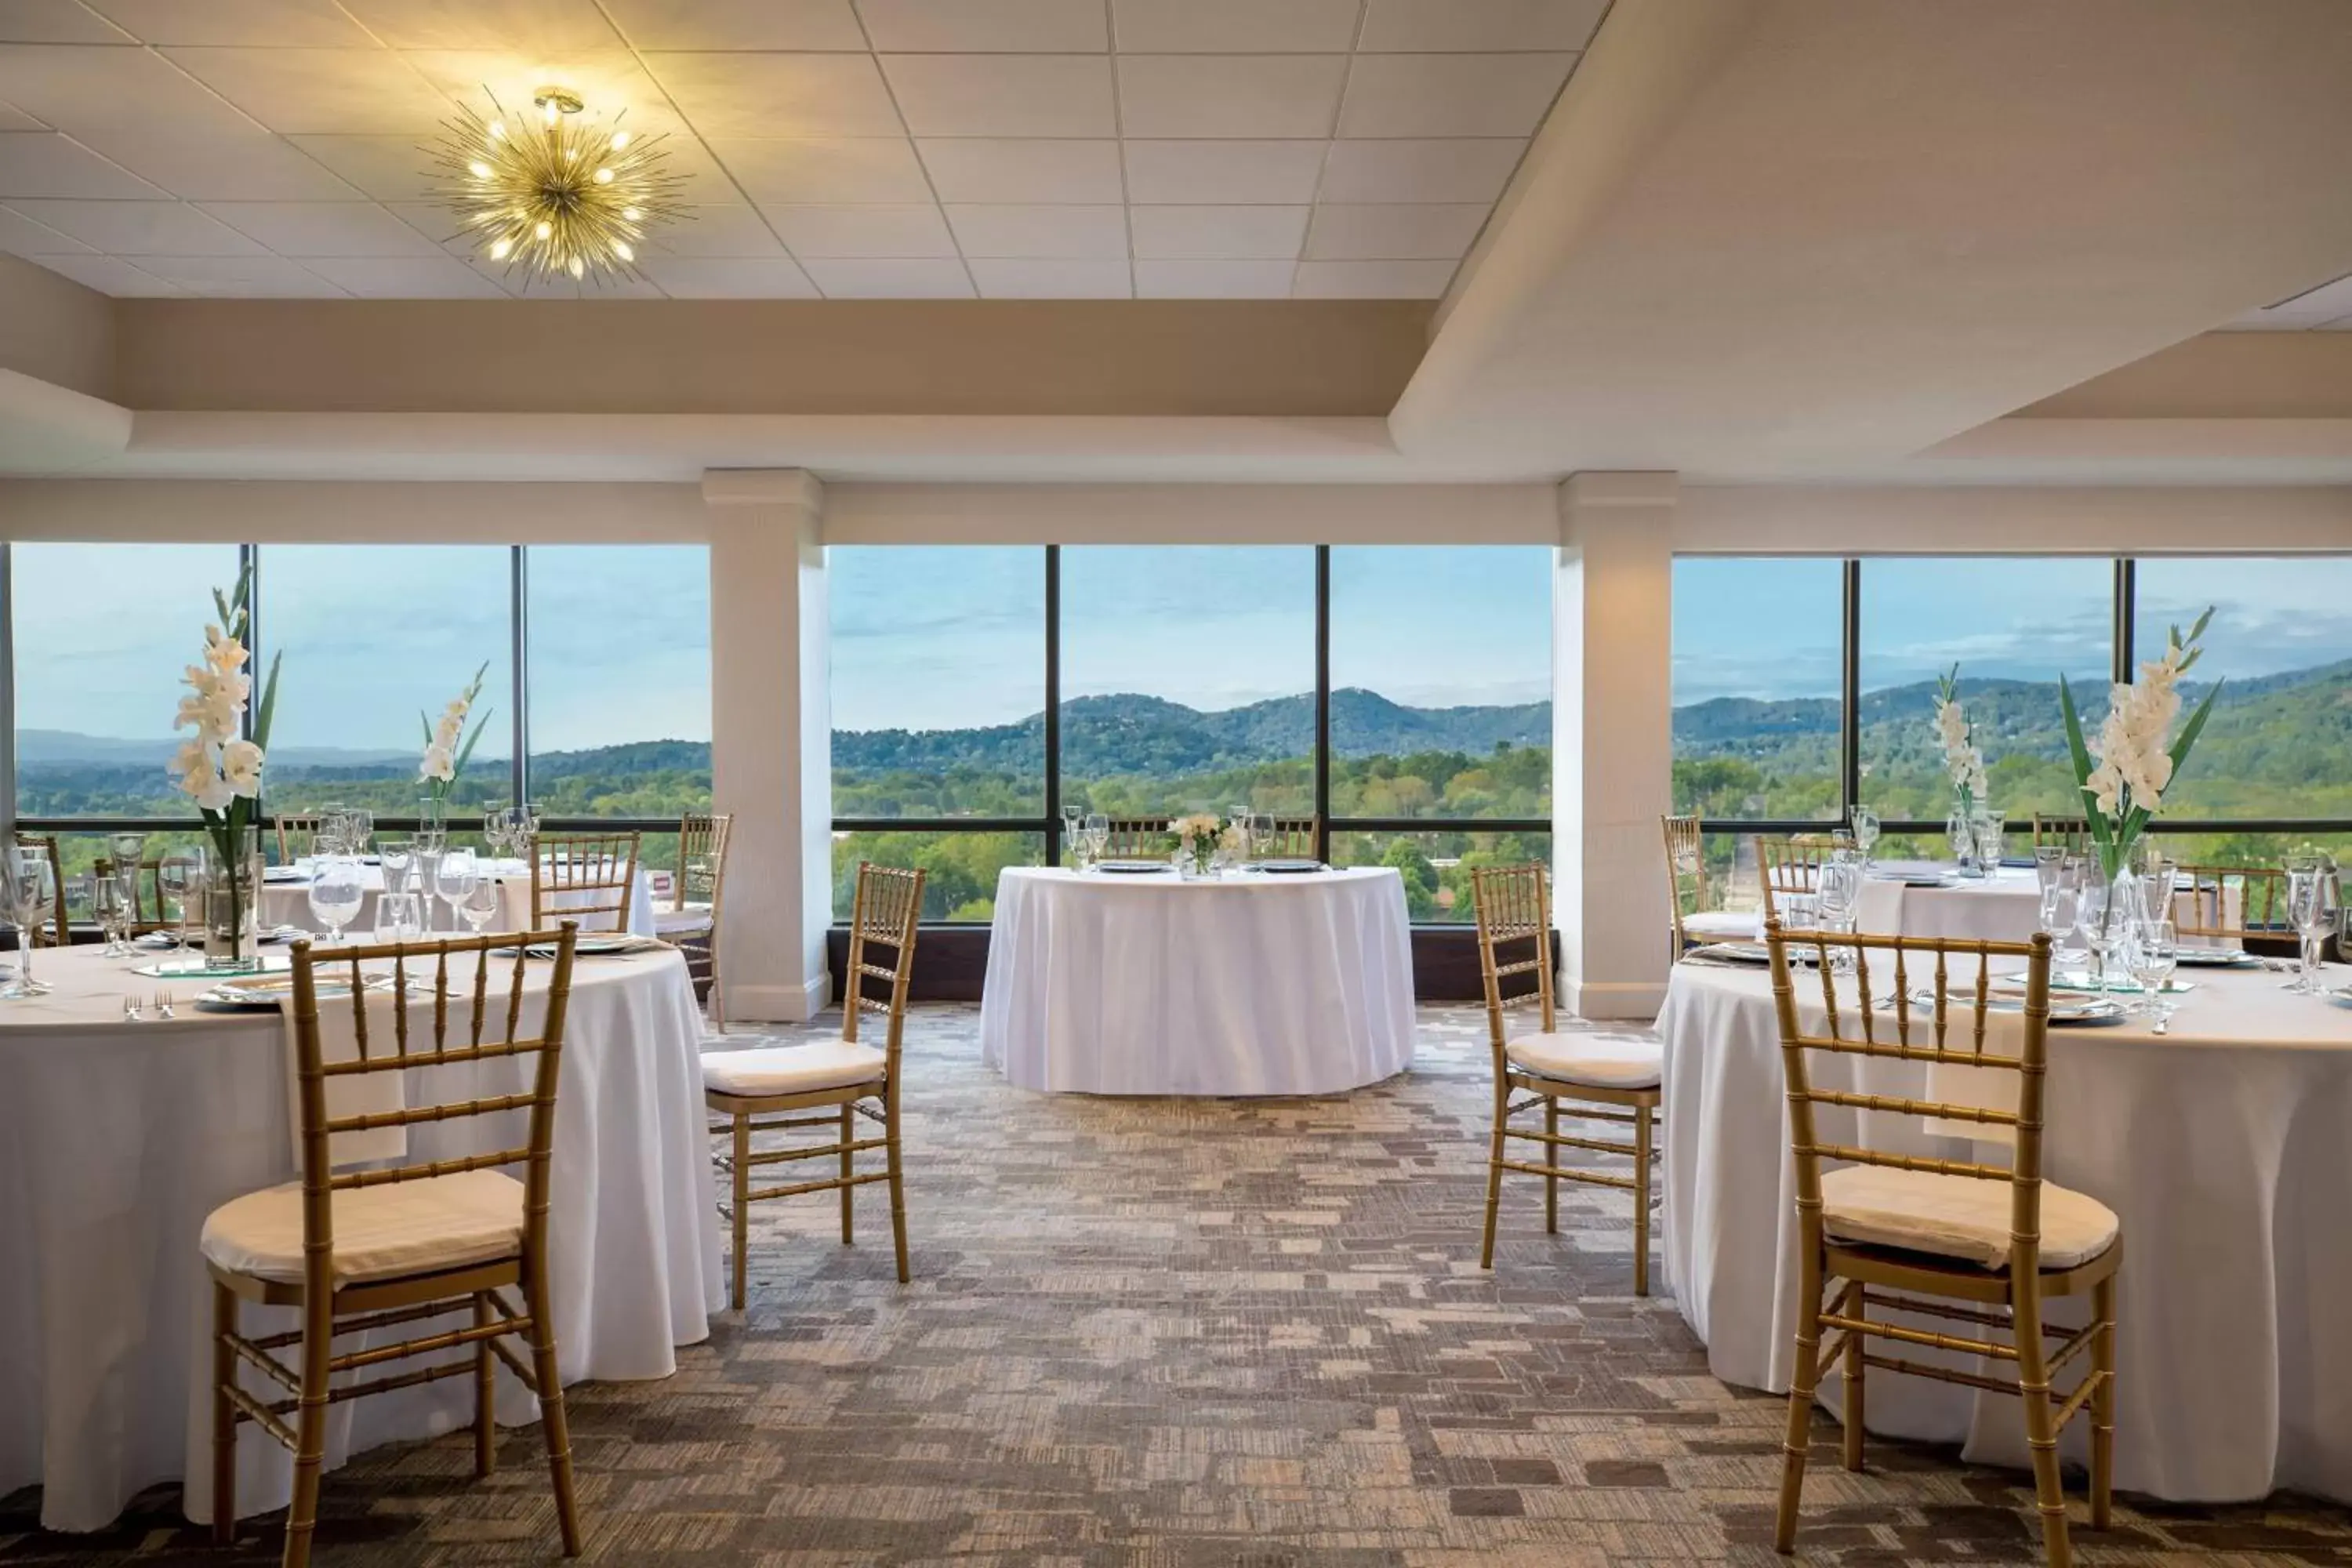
261, 715
459, 770
426, 724
2080, 752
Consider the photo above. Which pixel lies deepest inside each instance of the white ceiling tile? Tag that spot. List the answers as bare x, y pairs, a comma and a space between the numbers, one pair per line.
523, 25
869, 280
723, 231
405, 278
1023, 169
1041, 231
389, 168
1000, 278
613, 89
738, 24
268, 24
725, 96
1218, 233
854, 169
1234, 26
730, 277
77, 87
346, 91
1442, 25
44, 163
1409, 170
1451, 95
324, 229
247, 277
894, 231
1372, 280
1003, 95
253, 166
974, 27
54, 22
437, 224
597, 286
20, 236
1213, 280
1369, 232
140, 229
1210, 171
2325, 304
1264, 96
108, 276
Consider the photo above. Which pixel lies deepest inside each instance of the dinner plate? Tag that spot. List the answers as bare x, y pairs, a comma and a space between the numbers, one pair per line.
259, 990
1754, 954
1288, 867
2063, 1009
284, 874
599, 944
2216, 958
1911, 878
1131, 868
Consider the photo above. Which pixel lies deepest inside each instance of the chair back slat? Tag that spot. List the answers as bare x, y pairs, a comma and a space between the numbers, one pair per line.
1686, 892
297, 835
1513, 904
2230, 903
2023, 1115
584, 877
1138, 839
2066, 831
702, 858
886, 912
1293, 838
1791, 864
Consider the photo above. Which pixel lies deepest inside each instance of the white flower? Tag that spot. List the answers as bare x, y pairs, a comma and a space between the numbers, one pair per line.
241, 767
437, 763
206, 787
224, 654
446, 733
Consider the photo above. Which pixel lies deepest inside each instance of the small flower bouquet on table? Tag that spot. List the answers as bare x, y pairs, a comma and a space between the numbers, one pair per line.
1964, 762
1197, 839
448, 746
220, 770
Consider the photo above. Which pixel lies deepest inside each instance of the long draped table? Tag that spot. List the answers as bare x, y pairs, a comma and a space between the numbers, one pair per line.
118, 1138
2222, 1146
286, 900
2004, 907
1259, 984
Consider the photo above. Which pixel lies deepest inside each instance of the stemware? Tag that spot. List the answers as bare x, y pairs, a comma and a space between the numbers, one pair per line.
1098, 837
110, 901
1264, 839
2155, 954
1838, 898
2311, 910
359, 828
32, 893
2092, 925
453, 881
337, 892
1962, 835
1865, 832
1991, 845
1074, 831
394, 856
481, 905
177, 879
128, 852
397, 918
497, 823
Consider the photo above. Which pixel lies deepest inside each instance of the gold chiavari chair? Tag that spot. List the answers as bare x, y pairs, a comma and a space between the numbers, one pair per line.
376, 1246
1138, 839
57, 930
838, 1080
2070, 833
297, 836
1692, 920
1791, 864
1605, 1078
2230, 903
1971, 1243
584, 877
1293, 839
697, 899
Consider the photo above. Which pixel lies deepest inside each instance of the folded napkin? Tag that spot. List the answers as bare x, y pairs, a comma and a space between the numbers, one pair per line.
356, 1094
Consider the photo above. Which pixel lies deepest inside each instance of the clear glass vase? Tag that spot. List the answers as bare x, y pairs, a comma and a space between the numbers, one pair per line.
233, 900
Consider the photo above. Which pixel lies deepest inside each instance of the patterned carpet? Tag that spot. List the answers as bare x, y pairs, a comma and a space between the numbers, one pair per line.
1178, 1334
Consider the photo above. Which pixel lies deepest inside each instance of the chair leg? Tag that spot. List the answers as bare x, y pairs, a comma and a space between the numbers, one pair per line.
2102, 1404
552, 1424
897, 1186
2041, 1431
848, 1169
486, 1391
718, 992
1640, 1200
311, 1432
1852, 1305
1800, 1390
1551, 1162
224, 1418
1495, 1172
742, 1217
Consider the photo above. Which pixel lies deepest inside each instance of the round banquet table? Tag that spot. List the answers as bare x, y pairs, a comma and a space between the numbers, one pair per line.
286, 900
1259, 984
118, 1138
2220, 1145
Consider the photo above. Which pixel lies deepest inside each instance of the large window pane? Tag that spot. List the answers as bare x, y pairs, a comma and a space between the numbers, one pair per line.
375, 636
101, 634
961, 866
1758, 651
2013, 626
2280, 742
620, 680
1188, 679
1437, 866
938, 681
1441, 682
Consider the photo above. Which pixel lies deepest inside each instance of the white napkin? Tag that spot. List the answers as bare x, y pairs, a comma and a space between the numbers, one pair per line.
354, 1094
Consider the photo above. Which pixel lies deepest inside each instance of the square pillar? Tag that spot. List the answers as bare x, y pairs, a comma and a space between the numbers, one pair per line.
1613, 739
771, 738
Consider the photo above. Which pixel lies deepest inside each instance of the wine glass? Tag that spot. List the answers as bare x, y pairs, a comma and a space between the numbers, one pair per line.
32, 893
2156, 952
337, 892
1991, 845
497, 820
1264, 839
2092, 925
2311, 910
1865, 832
1073, 834
397, 918
110, 901
394, 856
453, 879
178, 879
427, 862
1838, 898
481, 904
1098, 837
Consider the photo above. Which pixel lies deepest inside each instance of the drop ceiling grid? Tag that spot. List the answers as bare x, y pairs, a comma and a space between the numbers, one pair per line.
1253, 148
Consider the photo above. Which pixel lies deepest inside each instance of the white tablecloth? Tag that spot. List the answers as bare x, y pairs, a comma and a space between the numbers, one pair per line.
2225, 1147
287, 902
1255, 984
2005, 906
117, 1139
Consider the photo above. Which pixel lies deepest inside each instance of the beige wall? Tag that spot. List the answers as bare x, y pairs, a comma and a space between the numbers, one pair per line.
54, 330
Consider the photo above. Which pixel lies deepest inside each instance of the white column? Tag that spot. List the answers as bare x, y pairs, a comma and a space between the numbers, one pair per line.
771, 737
1613, 739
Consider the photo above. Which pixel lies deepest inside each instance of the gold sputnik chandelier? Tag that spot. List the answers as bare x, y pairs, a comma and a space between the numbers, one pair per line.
554, 193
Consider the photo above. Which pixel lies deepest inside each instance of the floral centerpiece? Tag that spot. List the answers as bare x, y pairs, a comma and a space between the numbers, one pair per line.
220, 768
1197, 838
1962, 758
448, 744
2123, 773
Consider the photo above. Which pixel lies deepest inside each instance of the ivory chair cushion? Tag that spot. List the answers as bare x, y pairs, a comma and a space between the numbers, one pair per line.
791, 1070
682, 922
1723, 925
1962, 1217
422, 1227
1600, 1061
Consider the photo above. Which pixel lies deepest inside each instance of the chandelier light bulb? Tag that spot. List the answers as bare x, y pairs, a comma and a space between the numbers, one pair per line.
497, 129
621, 248
479, 169
545, 230
620, 139
633, 214
552, 110
604, 177
579, 267
501, 249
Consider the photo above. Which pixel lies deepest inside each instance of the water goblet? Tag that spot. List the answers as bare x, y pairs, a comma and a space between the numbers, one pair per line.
1074, 829
177, 878
31, 889
2049, 865
110, 901
397, 918
1991, 845
337, 892
1098, 837
453, 879
2156, 952
2094, 924
428, 863
497, 823
481, 904
2311, 908
395, 856
1865, 831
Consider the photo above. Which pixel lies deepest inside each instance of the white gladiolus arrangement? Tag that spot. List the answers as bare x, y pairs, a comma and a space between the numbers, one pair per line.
220, 768
1962, 759
2123, 775
448, 744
